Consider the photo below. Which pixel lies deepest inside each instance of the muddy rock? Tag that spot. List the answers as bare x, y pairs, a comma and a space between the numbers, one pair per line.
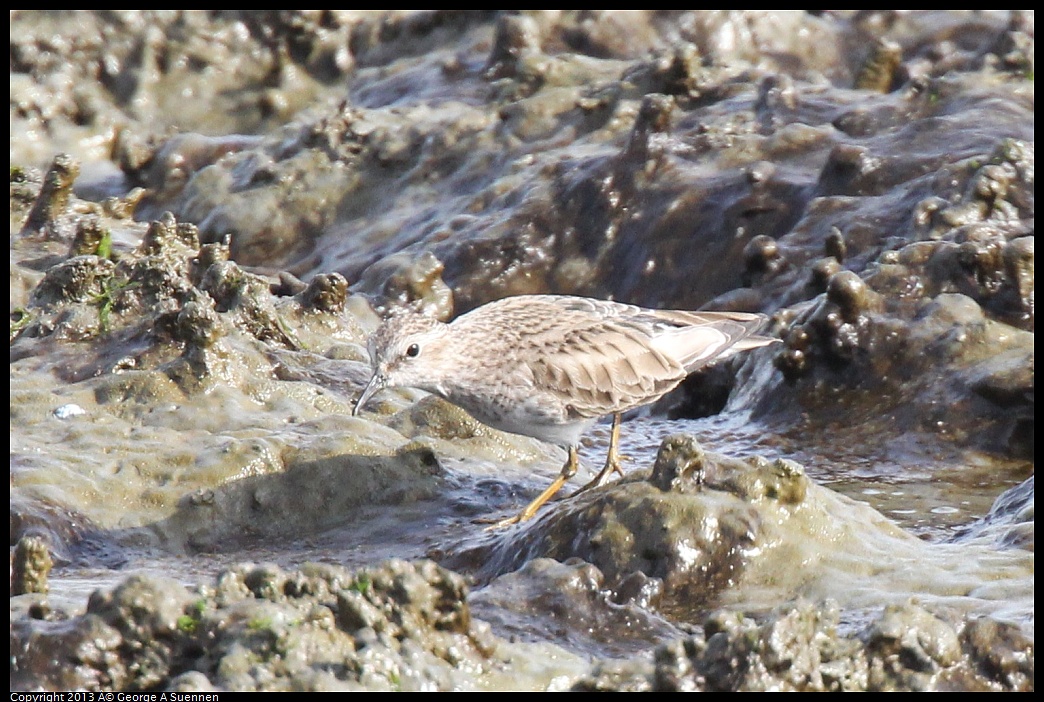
210, 212
261, 628
804, 649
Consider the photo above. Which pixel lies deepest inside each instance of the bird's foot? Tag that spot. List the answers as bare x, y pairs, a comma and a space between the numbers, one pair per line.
498, 524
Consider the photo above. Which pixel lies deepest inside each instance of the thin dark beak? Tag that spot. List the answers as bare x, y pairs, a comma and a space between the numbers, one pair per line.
376, 384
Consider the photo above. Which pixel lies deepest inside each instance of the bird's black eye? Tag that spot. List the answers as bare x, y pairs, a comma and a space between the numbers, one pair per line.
413, 351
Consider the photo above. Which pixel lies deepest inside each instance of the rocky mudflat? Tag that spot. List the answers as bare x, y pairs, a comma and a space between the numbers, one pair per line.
212, 210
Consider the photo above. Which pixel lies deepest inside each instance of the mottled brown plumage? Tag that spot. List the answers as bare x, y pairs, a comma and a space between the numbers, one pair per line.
549, 366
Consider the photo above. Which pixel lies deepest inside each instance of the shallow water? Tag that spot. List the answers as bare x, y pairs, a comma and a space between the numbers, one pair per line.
922, 489
708, 159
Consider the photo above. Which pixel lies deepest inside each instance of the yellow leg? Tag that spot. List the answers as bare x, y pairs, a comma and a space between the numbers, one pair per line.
612, 459
568, 471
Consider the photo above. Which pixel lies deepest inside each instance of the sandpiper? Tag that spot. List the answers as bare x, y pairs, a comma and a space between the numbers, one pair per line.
549, 366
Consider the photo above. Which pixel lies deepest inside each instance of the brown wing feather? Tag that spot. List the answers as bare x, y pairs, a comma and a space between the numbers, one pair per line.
601, 357
610, 367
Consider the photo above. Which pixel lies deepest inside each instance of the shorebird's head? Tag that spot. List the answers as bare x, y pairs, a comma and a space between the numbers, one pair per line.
405, 351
